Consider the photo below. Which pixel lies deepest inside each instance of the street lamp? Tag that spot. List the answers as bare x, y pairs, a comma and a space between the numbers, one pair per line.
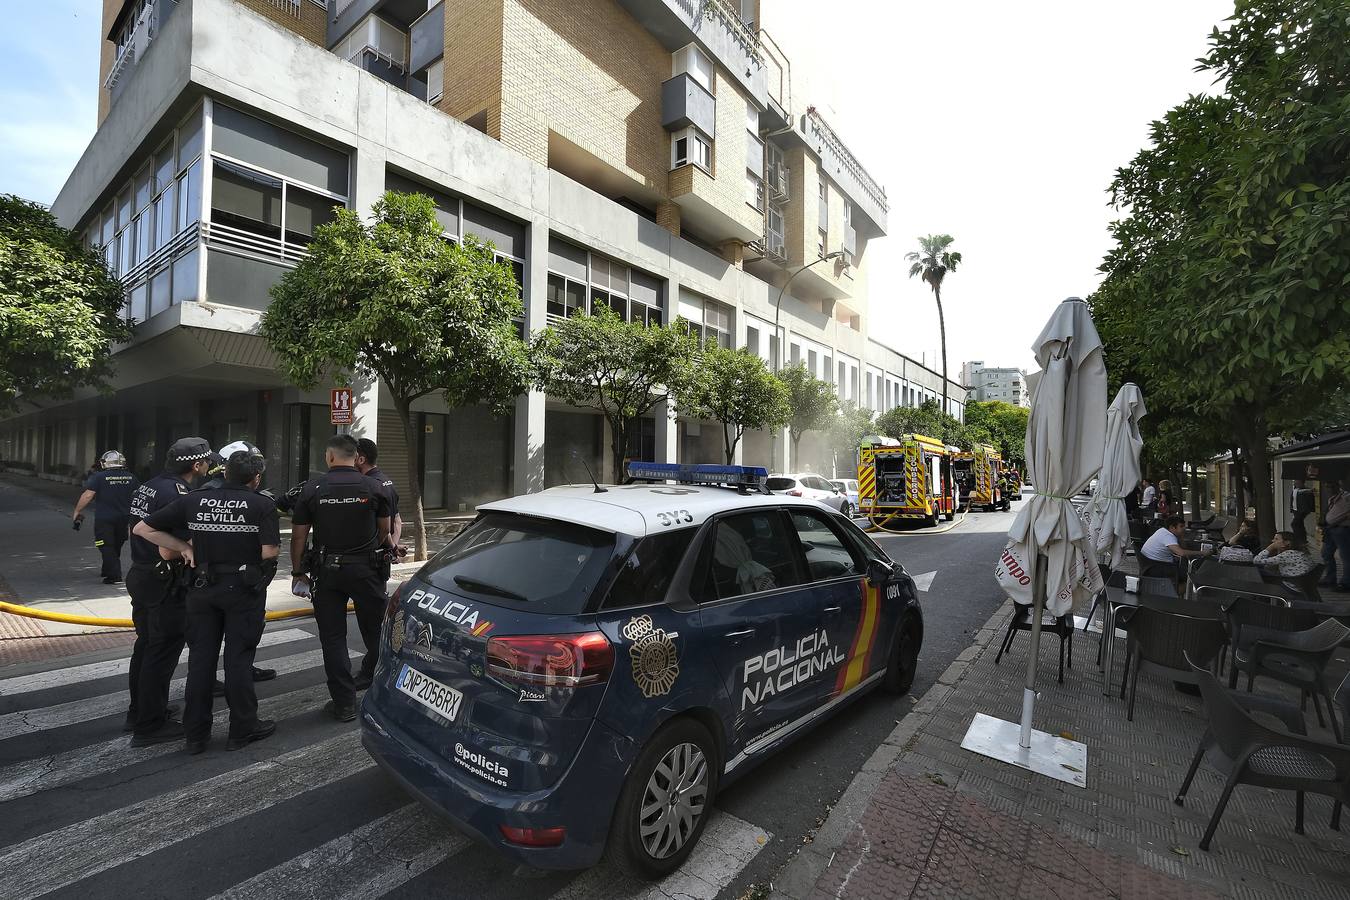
778, 335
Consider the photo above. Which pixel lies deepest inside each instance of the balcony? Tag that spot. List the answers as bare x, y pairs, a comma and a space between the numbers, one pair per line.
427, 39
868, 196
685, 102
136, 42
715, 25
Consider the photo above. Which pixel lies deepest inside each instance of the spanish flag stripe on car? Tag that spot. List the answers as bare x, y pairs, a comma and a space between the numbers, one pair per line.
860, 652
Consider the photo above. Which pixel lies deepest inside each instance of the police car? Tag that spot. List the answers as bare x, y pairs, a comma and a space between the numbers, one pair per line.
582, 669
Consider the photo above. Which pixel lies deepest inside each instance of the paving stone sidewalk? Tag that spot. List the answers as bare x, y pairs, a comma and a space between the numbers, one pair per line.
925, 818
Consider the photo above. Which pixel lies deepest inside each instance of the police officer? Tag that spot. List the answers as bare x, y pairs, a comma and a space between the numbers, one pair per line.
233, 557
110, 490
158, 586
215, 482
349, 513
366, 455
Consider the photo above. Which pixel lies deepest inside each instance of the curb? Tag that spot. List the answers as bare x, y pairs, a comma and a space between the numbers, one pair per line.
798, 878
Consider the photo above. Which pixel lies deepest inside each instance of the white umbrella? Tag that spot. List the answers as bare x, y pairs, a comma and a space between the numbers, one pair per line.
1120, 473
1066, 433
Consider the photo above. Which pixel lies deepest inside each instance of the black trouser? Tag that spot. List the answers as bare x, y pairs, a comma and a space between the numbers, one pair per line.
158, 611
109, 536
231, 610
1299, 527
363, 585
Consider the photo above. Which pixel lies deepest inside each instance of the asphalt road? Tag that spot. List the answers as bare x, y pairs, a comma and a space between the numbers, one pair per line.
305, 813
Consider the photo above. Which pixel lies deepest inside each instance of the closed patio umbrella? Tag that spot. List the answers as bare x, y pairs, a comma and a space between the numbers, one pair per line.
1049, 560
1120, 474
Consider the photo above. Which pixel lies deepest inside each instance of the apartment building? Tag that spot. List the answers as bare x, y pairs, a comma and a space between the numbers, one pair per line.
647, 155
990, 383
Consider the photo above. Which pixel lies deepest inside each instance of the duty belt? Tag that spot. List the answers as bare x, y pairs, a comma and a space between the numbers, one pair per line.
368, 558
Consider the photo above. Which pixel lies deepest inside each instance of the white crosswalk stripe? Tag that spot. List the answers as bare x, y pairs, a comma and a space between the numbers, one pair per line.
41, 681
74, 711
59, 858
369, 861
104, 837
48, 772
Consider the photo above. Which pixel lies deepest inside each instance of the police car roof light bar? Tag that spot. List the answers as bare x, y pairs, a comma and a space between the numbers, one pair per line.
741, 477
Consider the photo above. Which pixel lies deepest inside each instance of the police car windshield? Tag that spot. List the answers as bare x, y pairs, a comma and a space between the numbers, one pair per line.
540, 565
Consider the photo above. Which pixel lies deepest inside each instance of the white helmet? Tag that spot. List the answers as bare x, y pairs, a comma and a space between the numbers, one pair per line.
113, 459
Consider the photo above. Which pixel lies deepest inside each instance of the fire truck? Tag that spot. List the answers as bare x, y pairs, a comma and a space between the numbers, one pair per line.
977, 473
906, 480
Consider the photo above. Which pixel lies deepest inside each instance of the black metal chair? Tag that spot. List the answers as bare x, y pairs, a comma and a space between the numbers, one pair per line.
1245, 751
1297, 658
1306, 584
1099, 598
1021, 621
1167, 634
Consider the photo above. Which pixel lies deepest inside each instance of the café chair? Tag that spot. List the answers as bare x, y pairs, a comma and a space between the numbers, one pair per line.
1297, 658
1167, 634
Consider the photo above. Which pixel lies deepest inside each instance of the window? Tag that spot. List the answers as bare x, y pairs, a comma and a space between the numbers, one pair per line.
691, 146
692, 61
305, 211
565, 298
827, 556
246, 199
823, 204
752, 339
435, 81
811, 359
751, 552
708, 319
773, 230
794, 354
649, 569
754, 190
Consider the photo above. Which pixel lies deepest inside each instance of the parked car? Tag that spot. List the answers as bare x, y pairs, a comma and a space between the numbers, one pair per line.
578, 674
812, 487
849, 488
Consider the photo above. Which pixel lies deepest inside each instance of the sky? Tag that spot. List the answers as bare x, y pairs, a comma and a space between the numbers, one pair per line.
1000, 124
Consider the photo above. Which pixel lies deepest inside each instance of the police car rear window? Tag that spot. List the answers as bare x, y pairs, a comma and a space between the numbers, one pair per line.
522, 562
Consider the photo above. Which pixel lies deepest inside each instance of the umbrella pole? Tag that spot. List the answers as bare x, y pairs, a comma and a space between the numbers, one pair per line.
1034, 653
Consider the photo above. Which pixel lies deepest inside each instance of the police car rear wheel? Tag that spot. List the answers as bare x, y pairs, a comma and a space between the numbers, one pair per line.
663, 806
904, 658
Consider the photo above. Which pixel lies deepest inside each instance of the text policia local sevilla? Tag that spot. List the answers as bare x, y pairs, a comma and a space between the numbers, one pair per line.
783, 668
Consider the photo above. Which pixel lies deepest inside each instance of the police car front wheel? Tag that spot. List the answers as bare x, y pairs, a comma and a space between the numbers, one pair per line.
904, 658
665, 802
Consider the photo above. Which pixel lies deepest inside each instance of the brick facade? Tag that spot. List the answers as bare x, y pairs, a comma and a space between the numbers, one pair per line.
472, 63
309, 20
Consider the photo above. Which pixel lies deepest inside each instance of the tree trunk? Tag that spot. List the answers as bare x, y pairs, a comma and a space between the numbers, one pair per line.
404, 409
1252, 431
942, 330
796, 448
618, 446
728, 445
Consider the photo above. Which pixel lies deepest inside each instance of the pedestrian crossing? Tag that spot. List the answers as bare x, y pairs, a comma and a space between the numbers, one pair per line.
303, 814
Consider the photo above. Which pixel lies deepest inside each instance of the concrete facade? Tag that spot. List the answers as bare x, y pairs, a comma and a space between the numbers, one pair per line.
547, 166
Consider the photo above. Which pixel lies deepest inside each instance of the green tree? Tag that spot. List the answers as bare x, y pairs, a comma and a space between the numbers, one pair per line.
60, 307
846, 433
623, 370
736, 388
393, 298
812, 403
931, 262
927, 419
1000, 424
1227, 293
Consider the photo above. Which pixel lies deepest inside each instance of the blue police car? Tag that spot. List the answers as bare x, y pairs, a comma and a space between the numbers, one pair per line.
582, 670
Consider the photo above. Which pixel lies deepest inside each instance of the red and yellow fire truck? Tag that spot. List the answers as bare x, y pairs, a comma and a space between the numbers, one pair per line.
977, 473
905, 480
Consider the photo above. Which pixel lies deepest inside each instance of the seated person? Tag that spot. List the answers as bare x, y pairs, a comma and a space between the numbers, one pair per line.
1243, 545
1286, 556
1162, 553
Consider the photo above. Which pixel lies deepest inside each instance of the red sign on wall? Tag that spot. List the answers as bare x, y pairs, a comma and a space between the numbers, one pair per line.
340, 406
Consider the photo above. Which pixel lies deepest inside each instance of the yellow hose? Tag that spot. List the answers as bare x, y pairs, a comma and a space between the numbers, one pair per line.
275, 615
879, 526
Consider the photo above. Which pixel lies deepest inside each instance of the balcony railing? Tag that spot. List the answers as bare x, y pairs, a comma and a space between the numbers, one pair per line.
137, 41
287, 6
237, 240
869, 185
731, 18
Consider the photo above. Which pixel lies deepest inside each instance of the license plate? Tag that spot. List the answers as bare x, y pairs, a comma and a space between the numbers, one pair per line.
439, 698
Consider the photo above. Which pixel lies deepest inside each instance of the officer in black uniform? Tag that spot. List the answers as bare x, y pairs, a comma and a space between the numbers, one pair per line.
215, 482
233, 556
366, 456
158, 588
110, 490
349, 513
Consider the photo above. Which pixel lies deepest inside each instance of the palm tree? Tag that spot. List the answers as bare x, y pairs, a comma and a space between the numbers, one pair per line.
932, 261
